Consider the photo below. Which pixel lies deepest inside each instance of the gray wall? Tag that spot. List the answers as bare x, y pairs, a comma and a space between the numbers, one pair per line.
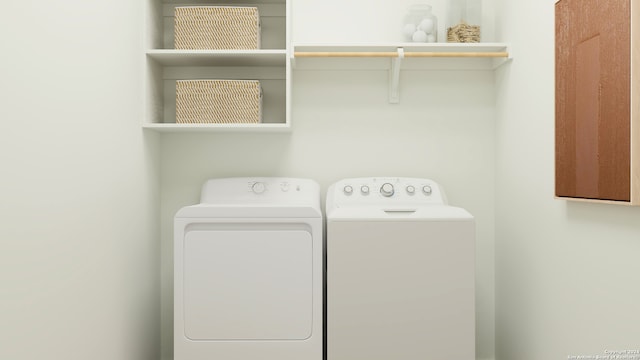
79, 187
566, 273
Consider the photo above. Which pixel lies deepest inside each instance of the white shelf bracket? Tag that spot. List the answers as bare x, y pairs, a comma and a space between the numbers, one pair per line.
497, 62
292, 58
394, 77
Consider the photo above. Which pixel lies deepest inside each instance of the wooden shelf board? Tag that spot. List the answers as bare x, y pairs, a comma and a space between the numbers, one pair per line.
409, 47
483, 60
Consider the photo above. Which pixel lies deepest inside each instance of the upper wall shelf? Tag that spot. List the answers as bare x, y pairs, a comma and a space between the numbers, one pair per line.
402, 56
434, 56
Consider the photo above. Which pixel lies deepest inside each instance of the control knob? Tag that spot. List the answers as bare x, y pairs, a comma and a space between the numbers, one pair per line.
258, 187
364, 189
348, 189
386, 189
426, 190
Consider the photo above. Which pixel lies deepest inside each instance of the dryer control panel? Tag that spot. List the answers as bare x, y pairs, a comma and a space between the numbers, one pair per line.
386, 191
259, 190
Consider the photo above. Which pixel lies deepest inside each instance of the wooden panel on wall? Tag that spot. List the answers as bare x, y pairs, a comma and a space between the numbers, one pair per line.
588, 112
635, 102
593, 94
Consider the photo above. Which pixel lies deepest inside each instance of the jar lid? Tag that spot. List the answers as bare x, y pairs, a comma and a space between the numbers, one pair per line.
420, 7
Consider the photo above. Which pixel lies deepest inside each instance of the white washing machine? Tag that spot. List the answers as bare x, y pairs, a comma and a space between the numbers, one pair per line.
248, 272
400, 272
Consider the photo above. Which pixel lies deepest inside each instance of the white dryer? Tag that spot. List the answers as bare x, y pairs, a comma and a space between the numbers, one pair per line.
248, 272
400, 272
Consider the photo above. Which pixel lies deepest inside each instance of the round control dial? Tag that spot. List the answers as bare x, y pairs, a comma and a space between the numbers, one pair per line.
411, 189
426, 190
387, 189
348, 189
258, 188
364, 189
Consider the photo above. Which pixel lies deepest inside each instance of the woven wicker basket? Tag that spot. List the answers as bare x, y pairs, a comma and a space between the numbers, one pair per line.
217, 28
463, 33
218, 101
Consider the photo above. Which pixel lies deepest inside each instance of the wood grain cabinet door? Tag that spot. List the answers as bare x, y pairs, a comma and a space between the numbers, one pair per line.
595, 100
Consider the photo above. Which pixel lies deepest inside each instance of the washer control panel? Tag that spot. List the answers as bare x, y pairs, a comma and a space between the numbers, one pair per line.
387, 191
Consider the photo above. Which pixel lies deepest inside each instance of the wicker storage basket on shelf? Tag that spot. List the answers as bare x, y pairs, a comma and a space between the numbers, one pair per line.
217, 28
218, 101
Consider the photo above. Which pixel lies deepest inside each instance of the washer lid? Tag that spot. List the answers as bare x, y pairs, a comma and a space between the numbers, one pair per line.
422, 213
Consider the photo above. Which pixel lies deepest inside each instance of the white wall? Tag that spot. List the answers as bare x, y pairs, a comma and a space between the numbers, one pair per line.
566, 273
79, 189
369, 21
343, 126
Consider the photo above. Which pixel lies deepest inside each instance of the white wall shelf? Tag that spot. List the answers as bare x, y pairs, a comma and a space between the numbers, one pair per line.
166, 65
402, 56
171, 127
170, 57
272, 65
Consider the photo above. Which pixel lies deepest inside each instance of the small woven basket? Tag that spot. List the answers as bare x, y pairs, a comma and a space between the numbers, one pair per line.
217, 28
218, 101
463, 33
